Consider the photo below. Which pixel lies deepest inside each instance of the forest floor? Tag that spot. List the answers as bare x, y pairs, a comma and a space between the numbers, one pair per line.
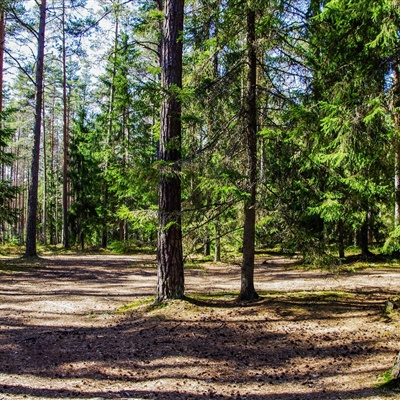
65, 333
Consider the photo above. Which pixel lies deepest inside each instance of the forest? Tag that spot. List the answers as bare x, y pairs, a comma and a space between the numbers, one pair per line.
287, 133
200, 199
218, 126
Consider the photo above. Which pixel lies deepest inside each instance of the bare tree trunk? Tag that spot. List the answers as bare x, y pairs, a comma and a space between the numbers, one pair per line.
170, 277
340, 229
110, 131
44, 205
65, 236
206, 245
52, 224
247, 291
2, 44
363, 237
217, 241
24, 212
396, 102
33, 189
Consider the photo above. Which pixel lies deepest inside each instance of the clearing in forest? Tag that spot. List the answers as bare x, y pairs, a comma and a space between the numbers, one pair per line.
83, 327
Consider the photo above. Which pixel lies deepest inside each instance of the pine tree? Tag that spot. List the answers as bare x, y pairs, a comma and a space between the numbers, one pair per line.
170, 280
33, 190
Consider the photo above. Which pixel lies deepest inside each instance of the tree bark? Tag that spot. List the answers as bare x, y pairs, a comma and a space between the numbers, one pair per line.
363, 238
340, 229
206, 245
44, 209
110, 131
217, 241
2, 44
396, 102
33, 189
170, 277
65, 236
247, 291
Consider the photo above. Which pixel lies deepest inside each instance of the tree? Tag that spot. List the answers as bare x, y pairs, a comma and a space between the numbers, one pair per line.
8, 191
170, 279
33, 189
353, 133
65, 237
85, 175
247, 291
2, 43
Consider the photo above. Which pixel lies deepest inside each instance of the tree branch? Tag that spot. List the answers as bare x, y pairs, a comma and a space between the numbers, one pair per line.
20, 66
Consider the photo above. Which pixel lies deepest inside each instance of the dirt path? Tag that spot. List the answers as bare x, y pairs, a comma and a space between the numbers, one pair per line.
61, 338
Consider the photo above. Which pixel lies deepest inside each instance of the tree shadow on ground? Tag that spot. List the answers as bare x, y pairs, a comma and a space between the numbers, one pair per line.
284, 346
184, 395
256, 346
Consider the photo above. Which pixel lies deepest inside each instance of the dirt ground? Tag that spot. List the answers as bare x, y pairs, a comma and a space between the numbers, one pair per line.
312, 335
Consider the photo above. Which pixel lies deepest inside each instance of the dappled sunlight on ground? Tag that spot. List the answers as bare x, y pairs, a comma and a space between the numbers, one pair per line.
312, 335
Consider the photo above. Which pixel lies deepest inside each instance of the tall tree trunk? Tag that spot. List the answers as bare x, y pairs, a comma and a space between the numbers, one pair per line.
53, 202
65, 236
206, 245
247, 291
33, 189
340, 229
170, 277
363, 237
396, 94
2, 44
217, 240
44, 205
110, 132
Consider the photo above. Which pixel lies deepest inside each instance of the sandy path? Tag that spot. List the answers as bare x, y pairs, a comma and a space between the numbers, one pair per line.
71, 286
60, 336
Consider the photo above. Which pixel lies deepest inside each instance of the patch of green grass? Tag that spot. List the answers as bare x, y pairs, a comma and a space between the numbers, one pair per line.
215, 296
362, 265
311, 296
11, 248
195, 265
148, 302
275, 251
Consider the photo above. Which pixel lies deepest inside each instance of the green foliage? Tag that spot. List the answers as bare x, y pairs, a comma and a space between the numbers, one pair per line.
392, 243
142, 221
326, 126
8, 191
131, 246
